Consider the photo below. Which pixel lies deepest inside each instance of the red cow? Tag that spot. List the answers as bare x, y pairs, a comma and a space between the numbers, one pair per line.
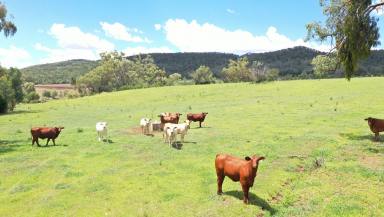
238, 170
45, 133
197, 117
169, 118
376, 125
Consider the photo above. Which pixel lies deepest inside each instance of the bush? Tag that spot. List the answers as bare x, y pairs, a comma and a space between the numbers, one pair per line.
32, 97
47, 93
203, 75
72, 94
173, 79
54, 94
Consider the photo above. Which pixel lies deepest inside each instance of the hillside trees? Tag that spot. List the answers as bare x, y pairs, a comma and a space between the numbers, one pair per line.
237, 70
7, 26
117, 73
203, 75
351, 28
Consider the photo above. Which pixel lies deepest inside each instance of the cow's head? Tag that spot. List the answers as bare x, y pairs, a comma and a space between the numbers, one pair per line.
370, 120
204, 113
255, 160
178, 114
58, 129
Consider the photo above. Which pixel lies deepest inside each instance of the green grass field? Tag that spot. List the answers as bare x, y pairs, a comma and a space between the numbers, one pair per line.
291, 123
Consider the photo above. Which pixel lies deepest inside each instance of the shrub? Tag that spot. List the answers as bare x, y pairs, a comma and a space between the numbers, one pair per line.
32, 97
72, 94
203, 75
47, 93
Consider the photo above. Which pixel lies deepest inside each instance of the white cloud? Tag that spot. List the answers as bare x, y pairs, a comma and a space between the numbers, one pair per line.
157, 26
73, 44
195, 37
120, 32
143, 50
73, 38
231, 11
14, 57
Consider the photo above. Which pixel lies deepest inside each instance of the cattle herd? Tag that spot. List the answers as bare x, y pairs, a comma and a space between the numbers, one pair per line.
238, 170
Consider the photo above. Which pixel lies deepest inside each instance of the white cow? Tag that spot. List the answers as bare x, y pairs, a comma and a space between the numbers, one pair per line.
146, 126
182, 129
170, 133
101, 129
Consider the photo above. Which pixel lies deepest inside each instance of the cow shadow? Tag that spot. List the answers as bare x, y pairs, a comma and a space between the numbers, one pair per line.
376, 150
51, 145
191, 142
253, 200
177, 145
352, 136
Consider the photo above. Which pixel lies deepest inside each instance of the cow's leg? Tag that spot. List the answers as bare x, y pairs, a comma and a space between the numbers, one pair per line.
53, 140
377, 136
98, 135
37, 142
245, 190
182, 137
220, 180
47, 141
33, 141
200, 124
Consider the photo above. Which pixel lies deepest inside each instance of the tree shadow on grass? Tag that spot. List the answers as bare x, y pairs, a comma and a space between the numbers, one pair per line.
9, 145
20, 112
253, 200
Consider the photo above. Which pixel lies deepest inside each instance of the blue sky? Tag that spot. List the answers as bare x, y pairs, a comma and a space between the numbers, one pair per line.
51, 31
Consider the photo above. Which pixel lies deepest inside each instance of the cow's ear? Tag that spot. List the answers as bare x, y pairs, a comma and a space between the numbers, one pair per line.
247, 158
260, 159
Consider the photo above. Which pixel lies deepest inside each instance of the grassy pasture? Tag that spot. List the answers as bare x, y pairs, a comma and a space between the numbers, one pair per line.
291, 123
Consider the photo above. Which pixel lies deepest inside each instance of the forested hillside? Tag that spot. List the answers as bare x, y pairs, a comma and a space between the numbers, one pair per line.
58, 73
292, 63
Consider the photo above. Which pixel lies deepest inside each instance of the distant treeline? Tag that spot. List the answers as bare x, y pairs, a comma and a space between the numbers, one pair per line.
292, 63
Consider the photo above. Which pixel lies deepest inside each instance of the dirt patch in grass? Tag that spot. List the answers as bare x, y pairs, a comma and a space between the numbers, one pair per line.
372, 162
137, 131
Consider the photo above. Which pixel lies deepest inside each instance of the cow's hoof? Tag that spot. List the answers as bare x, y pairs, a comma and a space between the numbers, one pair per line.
219, 193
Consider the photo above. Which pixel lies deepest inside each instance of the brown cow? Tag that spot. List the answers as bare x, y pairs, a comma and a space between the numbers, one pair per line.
45, 133
238, 170
197, 117
168, 117
376, 125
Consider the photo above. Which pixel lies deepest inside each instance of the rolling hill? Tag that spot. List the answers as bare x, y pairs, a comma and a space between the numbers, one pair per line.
292, 63
294, 124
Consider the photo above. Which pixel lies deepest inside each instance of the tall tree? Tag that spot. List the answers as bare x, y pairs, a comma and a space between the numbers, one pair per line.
7, 26
203, 75
351, 28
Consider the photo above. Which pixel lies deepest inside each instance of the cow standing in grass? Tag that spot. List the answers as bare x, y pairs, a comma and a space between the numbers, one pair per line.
101, 129
197, 117
45, 133
376, 126
243, 170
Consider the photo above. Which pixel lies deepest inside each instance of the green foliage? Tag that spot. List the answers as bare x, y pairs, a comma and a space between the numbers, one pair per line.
174, 79
116, 73
31, 97
17, 83
237, 71
7, 92
323, 64
54, 94
47, 93
203, 75
8, 27
351, 27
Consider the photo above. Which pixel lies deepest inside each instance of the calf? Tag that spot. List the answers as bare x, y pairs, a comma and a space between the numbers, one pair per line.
101, 129
376, 125
182, 129
197, 117
170, 134
238, 170
45, 133
156, 126
146, 126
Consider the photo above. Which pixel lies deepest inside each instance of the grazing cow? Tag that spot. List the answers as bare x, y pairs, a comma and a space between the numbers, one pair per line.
376, 125
156, 126
170, 134
238, 170
45, 133
169, 118
197, 117
182, 129
146, 126
101, 129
